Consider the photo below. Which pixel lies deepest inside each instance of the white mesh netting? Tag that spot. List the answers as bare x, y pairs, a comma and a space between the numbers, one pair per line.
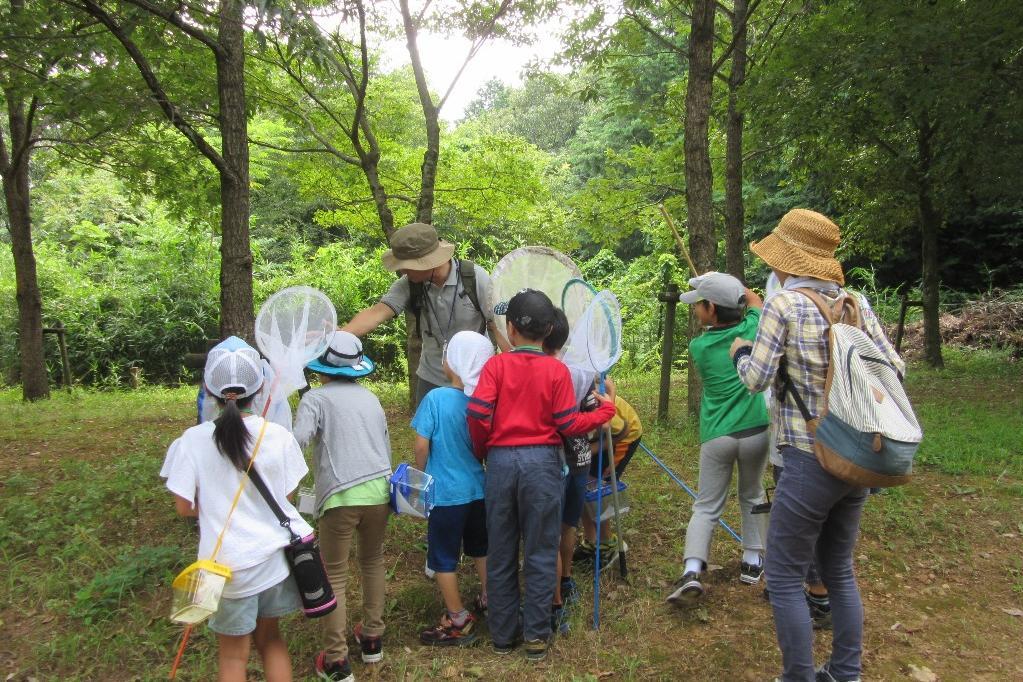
293, 327
532, 267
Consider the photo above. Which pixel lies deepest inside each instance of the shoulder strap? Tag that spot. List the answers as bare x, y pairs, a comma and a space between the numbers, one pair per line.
260, 484
845, 310
416, 292
831, 316
467, 271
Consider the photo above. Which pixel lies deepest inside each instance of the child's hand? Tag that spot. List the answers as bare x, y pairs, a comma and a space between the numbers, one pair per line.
602, 397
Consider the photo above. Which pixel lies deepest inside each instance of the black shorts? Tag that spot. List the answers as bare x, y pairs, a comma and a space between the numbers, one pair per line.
451, 528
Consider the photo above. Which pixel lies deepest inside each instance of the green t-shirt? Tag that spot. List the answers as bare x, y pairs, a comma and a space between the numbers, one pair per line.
727, 406
376, 491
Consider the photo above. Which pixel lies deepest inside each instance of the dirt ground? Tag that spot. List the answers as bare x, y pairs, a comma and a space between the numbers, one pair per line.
940, 565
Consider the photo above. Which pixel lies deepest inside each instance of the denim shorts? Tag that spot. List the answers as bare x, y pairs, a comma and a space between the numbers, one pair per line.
451, 527
237, 617
572, 503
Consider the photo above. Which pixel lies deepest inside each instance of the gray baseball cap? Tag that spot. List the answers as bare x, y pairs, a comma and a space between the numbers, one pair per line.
718, 288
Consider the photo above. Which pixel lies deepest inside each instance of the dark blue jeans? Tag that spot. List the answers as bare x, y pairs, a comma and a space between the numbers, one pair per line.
814, 515
523, 498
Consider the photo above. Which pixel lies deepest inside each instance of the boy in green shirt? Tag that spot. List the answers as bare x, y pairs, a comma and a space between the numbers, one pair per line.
733, 429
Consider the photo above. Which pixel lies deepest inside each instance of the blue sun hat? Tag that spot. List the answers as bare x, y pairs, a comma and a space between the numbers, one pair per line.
343, 358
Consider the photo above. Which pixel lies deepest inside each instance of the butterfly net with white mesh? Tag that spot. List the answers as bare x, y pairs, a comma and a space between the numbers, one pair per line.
294, 326
576, 297
532, 267
595, 342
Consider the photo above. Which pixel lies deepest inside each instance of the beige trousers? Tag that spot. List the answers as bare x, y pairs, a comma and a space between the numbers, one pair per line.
337, 528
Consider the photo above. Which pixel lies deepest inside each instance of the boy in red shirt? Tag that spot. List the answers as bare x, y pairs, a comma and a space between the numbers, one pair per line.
523, 404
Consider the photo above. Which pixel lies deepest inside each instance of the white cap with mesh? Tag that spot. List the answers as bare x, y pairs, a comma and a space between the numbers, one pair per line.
239, 369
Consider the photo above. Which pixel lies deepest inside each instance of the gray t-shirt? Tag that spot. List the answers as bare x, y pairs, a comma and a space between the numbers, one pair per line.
446, 311
348, 429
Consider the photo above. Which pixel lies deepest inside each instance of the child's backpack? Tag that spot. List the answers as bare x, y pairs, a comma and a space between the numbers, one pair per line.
867, 434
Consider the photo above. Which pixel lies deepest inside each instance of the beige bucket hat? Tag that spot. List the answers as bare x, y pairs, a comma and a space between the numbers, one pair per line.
417, 247
804, 245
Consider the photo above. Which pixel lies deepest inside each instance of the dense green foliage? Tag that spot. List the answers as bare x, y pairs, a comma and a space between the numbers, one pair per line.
836, 100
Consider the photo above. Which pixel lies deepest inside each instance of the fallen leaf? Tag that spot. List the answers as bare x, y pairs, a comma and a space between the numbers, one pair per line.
1015, 613
923, 674
896, 626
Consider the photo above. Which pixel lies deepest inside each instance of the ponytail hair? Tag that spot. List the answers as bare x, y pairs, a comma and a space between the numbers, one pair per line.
229, 431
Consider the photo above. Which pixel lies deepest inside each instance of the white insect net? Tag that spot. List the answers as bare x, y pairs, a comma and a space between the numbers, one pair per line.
532, 267
293, 327
595, 342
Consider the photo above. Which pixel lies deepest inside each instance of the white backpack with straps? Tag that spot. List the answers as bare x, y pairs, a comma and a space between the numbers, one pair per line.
867, 434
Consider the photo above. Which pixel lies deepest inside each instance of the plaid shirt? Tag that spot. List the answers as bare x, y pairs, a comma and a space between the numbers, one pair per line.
792, 327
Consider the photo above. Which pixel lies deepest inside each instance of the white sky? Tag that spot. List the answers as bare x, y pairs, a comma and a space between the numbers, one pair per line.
443, 55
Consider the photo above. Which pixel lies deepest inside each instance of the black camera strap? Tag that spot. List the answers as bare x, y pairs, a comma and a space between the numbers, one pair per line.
282, 518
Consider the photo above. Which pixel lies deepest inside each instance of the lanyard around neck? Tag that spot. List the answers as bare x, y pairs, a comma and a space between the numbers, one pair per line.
454, 299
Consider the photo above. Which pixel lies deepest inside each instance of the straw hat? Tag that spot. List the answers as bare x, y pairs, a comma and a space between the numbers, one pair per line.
804, 245
417, 247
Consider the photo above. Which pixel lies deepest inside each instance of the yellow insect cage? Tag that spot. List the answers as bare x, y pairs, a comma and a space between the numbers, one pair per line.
197, 590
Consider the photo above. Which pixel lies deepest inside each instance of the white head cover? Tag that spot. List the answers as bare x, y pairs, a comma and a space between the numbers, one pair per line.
466, 354
239, 368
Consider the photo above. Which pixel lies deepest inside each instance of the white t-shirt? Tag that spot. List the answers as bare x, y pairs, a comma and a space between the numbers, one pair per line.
196, 470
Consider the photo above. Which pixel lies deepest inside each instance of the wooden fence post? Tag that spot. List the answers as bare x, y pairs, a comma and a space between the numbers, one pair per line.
65, 363
901, 327
670, 297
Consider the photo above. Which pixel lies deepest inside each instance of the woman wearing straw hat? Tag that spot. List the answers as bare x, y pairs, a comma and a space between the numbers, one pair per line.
814, 514
444, 292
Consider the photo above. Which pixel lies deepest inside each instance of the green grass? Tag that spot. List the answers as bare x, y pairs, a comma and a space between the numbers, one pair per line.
971, 413
89, 541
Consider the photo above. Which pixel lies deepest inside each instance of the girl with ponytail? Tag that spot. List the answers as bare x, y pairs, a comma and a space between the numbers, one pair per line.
204, 469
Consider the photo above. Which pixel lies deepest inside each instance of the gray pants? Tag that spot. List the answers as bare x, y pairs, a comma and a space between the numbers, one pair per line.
717, 458
814, 513
422, 388
523, 496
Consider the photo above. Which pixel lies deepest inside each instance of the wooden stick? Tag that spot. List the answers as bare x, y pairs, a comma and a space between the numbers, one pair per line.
678, 240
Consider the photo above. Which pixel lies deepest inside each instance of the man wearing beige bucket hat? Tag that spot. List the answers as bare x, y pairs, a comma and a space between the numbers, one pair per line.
442, 291
814, 514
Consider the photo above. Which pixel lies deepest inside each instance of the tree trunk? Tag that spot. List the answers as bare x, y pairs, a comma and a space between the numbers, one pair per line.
236, 303
699, 179
735, 248
14, 164
428, 171
369, 169
930, 223
424, 211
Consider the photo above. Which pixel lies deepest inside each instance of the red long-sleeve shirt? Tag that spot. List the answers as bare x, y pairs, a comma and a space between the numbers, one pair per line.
525, 397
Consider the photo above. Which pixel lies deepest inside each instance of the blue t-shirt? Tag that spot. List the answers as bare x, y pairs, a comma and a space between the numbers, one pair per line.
458, 475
